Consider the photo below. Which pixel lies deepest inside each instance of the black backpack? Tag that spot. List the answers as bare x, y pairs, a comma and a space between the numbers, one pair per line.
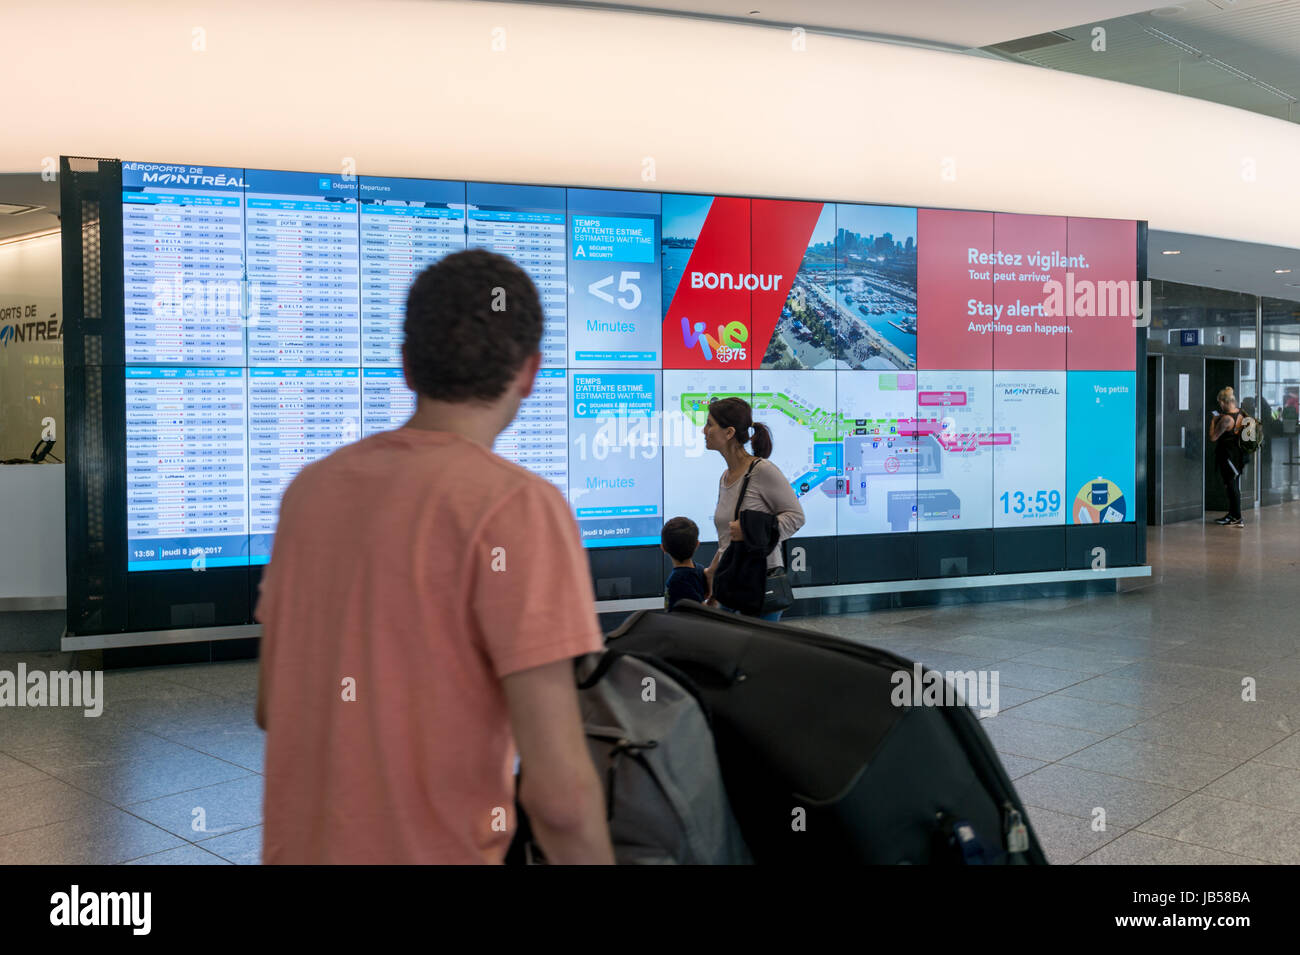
650, 739
820, 764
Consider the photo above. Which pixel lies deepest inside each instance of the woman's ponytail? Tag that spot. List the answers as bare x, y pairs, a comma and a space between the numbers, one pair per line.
761, 442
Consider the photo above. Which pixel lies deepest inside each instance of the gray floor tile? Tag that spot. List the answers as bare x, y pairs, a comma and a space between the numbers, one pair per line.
150, 684
42, 802
1234, 740
1150, 763
244, 746
1271, 835
1150, 697
1079, 792
1262, 784
1036, 740
1286, 669
1141, 848
1073, 658
1103, 718
1067, 839
1009, 696
184, 855
1283, 717
941, 623
227, 806
242, 848
1179, 674
937, 659
1233, 657
28, 729
140, 779
1285, 753
1017, 766
197, 713
100, 836
217, 678
1030, 634
982, 647
1135, 648
103, 747
1029, 676
13, 772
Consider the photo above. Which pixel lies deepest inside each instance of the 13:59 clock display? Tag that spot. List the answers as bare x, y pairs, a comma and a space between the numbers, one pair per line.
1031, 502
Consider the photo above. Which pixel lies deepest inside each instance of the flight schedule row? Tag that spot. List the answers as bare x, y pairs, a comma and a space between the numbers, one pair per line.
257, 267
211, 450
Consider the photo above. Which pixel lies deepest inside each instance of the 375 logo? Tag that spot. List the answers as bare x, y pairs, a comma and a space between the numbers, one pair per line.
729, 346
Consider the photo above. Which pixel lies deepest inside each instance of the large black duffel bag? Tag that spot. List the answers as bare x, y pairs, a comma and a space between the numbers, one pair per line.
819, 764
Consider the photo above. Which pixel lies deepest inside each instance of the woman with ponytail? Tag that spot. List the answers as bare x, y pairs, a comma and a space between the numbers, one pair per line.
729, 428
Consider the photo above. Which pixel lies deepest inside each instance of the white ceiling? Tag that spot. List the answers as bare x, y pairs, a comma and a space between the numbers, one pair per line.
957, 23
1198, 48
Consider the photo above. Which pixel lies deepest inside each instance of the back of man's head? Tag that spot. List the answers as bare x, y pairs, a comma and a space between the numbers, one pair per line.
472, 320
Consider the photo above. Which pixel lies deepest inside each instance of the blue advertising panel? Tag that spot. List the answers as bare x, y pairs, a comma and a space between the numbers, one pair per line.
1101, 446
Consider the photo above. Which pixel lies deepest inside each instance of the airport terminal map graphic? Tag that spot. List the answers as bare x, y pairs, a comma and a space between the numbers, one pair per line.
842, 445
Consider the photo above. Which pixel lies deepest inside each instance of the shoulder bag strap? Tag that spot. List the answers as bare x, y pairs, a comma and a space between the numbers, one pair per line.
744, 485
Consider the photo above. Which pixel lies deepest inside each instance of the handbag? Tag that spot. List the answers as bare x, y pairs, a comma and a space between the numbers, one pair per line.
777, 593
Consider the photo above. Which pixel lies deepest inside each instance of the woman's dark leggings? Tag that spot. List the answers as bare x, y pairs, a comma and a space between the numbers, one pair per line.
1231, 481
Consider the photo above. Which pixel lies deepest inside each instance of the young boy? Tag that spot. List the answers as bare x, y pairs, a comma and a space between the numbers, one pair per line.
679, 540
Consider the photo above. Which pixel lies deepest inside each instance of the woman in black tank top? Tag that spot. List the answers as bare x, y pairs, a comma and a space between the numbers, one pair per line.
1225, 432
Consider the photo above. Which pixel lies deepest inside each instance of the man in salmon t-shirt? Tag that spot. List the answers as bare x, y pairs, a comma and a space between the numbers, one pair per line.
420, 613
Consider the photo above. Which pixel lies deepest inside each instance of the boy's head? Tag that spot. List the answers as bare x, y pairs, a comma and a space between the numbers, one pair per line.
473, 329
679, 539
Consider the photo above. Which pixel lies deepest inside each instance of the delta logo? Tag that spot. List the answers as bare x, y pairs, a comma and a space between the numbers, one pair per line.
729, 346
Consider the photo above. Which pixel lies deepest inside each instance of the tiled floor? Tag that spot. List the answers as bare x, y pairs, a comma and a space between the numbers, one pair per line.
170, 773
1121, 709
1127, 709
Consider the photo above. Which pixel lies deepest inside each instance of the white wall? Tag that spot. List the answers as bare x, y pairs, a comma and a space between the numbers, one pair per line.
408, 87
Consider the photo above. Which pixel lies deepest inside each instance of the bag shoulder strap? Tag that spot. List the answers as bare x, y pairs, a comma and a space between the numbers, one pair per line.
744, 486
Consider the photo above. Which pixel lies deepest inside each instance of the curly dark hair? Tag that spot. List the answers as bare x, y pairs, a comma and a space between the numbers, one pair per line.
472, 319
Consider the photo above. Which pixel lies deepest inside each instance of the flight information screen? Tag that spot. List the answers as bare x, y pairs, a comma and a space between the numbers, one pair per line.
920, 370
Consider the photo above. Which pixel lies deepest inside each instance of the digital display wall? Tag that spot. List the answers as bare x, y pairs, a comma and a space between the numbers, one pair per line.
922, 370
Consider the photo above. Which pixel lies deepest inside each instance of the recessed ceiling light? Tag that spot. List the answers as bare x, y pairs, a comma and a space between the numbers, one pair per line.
1172, 252
1281, 271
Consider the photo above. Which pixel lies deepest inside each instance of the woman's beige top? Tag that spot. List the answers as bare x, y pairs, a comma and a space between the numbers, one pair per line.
768, 492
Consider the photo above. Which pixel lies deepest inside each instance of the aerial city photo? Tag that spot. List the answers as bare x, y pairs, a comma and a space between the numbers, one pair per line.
853, 301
